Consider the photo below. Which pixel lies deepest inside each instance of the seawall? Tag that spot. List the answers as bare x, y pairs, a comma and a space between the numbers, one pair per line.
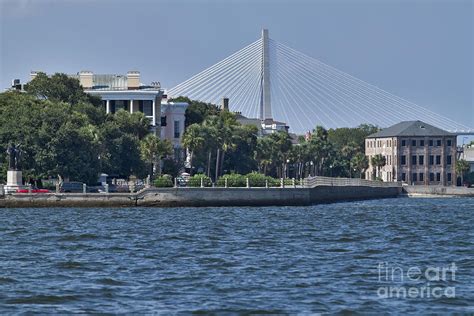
434, 191
164, 197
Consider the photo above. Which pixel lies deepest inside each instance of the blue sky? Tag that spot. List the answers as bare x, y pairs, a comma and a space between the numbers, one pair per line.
419, 50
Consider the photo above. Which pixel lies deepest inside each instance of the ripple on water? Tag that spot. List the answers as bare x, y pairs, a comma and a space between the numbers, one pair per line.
43, 299
78, 237
268, 260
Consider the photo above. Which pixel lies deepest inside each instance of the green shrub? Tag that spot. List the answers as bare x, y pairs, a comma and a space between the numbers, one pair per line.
255, 180
234, 180
165, 181
260, 180
195, 181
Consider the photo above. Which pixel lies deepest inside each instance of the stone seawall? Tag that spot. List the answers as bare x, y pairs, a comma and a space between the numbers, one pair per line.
426, 190
165, 197
321, 194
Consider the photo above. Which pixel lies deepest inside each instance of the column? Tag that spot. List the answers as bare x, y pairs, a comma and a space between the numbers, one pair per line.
107, 106
131, 106
153, 108
443, 161
454, 157
408, 160
427, 161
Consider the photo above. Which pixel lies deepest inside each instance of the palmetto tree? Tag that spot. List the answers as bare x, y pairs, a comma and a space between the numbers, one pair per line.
377, 161
360, 163
462, 167
153, 149
263, 153
193, 140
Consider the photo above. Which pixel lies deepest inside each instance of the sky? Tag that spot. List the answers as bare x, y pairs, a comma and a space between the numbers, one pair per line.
419, 50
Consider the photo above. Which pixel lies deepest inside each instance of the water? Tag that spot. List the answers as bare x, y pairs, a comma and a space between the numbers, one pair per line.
320, 258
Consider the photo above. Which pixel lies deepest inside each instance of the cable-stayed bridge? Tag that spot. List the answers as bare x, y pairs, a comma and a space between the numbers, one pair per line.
269, 80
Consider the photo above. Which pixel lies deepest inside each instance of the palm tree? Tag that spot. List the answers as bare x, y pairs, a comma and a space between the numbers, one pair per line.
462, 167
377, 162
281, 142
263, 153
153, 150
360, 163
193, 140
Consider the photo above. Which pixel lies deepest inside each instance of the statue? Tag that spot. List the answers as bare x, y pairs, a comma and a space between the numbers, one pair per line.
14, 154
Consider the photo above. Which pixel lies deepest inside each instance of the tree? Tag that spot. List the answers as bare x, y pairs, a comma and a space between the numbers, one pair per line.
462, 167
281, 145
240, 159
341, 137
360, 163
193, 140
136, 123
153, 149
197, 111
263, 153
59, 87
321, 150
377, 161
54, 137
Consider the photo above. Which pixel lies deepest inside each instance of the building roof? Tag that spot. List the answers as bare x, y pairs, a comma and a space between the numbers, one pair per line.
411, 128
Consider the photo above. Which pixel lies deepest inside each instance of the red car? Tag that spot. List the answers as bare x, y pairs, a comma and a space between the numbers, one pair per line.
32, 191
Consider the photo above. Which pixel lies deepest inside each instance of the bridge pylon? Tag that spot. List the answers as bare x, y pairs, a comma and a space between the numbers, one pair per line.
265, 99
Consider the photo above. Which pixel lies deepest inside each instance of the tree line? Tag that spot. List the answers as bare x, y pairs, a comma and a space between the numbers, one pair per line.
62, 131
219, 145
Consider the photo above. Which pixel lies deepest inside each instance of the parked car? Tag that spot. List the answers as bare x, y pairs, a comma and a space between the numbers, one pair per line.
33, 190
112, 188
72, 187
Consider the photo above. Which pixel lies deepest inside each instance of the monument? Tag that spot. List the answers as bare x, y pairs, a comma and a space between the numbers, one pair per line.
14, 175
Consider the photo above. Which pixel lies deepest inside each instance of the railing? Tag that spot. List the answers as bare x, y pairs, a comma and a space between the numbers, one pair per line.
327, 181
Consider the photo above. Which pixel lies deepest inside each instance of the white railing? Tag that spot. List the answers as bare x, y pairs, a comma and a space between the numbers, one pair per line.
312, 182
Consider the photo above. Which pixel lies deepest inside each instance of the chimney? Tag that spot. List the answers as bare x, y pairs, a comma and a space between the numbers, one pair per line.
16, 84
225, 104
133, 80
85, 79
33, 74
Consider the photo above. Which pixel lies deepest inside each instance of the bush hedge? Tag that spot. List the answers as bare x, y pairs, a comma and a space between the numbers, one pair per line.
195, 181
255, 180
165, 181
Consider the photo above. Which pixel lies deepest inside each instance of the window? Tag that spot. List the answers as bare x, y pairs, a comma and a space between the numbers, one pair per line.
413, 142
112, 106
404, 177
448, 143
448, 160
421, 160
413, 160
431, 160
438, 159
146, 107
413, 177
431, 176
163, 121
404, 143
403, 160
438, 176
422, 143
438, 142
176, 129
421, 176
449, 177
431, 143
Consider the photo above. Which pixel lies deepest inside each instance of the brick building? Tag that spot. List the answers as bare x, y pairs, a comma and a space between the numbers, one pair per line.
415, 153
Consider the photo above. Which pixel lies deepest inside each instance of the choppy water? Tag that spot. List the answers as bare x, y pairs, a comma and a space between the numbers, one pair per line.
234, 260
